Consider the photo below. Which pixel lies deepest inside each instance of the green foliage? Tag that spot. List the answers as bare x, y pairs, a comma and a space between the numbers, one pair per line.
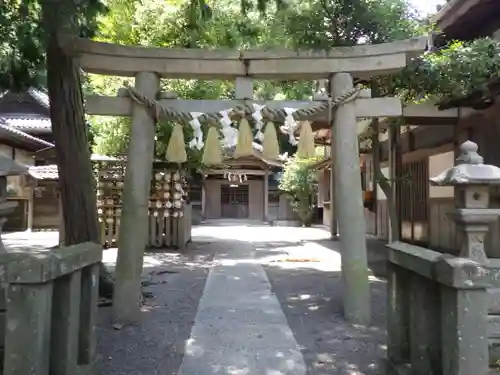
454, 72
23, 35
299, 183
180, 24
325, 24
21, 59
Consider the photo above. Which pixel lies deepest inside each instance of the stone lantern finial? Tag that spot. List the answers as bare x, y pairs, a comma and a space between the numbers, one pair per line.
472, 180
469, 169
469, 154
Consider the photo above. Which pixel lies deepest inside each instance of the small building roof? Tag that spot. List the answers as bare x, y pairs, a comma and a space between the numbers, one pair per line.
31, 123
22, 138
467, 19
23, 115
44, 172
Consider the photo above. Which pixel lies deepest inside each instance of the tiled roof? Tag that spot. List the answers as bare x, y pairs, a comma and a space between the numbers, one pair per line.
41, 96
44, 172
22, 135
27, 122
50, 172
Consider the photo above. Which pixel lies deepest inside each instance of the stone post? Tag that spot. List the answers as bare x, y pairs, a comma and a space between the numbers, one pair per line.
127, 296
471, 179
349, 206
266, 196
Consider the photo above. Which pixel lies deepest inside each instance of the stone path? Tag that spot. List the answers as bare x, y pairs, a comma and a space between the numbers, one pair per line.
240, 328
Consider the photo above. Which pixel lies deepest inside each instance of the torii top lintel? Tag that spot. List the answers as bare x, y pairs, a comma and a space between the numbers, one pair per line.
362, 61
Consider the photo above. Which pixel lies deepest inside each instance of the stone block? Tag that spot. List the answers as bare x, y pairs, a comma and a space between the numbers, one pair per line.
43, 266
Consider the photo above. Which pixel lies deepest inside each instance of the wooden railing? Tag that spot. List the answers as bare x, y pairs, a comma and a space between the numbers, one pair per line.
50, 310
437, 311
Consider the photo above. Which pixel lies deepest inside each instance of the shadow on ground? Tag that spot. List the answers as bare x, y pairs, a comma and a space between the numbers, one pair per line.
155, 346
312, 302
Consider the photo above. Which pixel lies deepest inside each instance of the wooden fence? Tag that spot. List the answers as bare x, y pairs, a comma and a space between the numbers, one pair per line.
169, 213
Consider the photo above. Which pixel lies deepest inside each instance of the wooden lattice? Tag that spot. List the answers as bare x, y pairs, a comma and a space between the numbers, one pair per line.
169, 225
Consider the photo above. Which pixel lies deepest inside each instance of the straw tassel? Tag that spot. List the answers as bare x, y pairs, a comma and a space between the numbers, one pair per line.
244, 147
270, 146
176, 149
305, 149
212, 153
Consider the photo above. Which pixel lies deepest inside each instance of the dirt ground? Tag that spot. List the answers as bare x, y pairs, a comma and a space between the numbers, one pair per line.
155, 346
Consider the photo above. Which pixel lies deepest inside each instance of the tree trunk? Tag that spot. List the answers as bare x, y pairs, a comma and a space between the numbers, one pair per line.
386, 187
76, 181
391, 205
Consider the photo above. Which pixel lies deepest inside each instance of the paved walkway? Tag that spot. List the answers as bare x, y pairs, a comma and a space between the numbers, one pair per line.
240, 328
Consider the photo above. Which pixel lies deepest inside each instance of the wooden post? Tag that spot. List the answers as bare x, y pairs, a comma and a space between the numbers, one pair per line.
351, 219
394, 209
203, 199
127, 296
266, 196
31, 203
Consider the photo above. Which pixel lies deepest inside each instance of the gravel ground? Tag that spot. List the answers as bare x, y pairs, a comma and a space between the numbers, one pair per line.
312, 302
155, 346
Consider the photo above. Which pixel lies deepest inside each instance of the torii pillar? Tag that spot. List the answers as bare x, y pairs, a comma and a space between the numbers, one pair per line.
349, 205
127, 296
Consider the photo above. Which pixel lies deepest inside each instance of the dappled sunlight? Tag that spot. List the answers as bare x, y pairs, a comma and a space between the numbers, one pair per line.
204, 359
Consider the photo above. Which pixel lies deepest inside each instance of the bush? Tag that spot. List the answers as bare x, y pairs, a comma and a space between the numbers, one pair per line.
299, 183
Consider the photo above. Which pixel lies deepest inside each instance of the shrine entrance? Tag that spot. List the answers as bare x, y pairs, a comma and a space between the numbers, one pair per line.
340, 104
234, 201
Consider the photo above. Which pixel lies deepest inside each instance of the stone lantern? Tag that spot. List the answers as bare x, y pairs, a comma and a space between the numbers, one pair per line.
472, 180
8, 167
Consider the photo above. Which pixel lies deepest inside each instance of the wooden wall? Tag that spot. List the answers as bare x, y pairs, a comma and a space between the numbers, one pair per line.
255, 198
46, 205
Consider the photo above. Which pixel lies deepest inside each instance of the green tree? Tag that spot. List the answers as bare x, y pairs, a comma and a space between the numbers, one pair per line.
31, 35
299, 183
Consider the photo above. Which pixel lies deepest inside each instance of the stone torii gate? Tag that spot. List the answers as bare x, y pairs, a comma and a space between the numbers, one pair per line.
147, 65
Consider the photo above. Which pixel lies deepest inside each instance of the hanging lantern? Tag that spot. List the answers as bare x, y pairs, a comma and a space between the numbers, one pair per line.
305, 148
270, 146
244, 146
176, 149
